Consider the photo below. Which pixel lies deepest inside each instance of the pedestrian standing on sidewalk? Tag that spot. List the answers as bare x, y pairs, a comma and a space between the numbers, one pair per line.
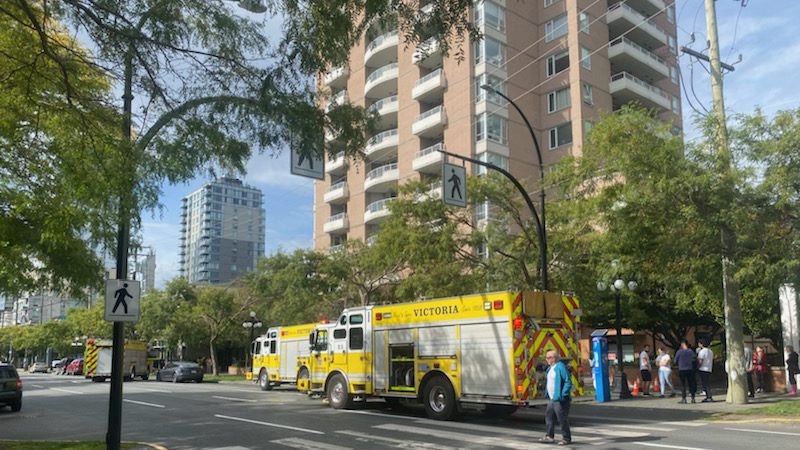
748, 369
685, 358
559, 389
644, 367
705, 362
792, 369
664, 364
760, 367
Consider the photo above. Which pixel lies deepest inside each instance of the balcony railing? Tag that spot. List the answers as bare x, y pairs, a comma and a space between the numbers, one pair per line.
380, 72
379, 205
432, 149
380, 137
625, 75
430, 112
428, 77
377, 106
651, 55
378, 41
337, 186
379, 171
336, 217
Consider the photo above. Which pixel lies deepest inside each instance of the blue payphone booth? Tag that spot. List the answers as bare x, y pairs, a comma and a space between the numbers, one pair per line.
600, 366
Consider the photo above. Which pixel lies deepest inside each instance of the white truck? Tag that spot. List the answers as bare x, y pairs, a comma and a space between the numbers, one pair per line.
97, 360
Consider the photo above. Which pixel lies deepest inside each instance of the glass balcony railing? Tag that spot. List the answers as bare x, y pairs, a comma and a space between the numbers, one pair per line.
432, 149
335, 158
379, 205
428, 77
380, 171
380, 137
378, 41
381, 72
430, 112
336, 217
377, 106
337, 186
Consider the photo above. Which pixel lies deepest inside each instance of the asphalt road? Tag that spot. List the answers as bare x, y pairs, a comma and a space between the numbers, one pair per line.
234, 416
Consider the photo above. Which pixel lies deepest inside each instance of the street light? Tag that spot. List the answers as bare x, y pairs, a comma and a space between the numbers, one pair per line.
620, 379
543, 229
252, 323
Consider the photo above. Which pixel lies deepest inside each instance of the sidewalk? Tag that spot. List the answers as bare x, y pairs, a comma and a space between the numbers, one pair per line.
671, 403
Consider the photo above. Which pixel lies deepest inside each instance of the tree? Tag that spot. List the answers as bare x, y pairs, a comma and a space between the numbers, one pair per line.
219, 311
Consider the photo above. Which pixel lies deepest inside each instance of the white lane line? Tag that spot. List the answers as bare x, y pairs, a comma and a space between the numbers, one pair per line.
276, 425
370, 413
678, 447
77, 382
38, 386
66, 390
492, 429
234, 399
748, 430
157, 390
307, 445
611, 433
464, 437
674, 423
653, 427
154, 405
400, 443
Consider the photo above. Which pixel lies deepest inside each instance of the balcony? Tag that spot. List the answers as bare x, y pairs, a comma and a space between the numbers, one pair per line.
335, 248
382, 145
628, 56
431, 123
336, 222
337, 164
429, 160
382, 179
382, 82
382, 50
386, 109
336, 78
626, 88
647, 7
332, 135
429, 87
339, 98
427, 54
622, 19
377, 211
337, 193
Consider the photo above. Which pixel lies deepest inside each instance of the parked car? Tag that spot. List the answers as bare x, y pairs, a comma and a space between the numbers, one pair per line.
179, 371
10, 387
39, 366
75, 367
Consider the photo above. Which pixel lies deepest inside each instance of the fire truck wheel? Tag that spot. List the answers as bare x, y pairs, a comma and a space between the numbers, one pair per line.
440, 399
263, 380
499, 410
338, 396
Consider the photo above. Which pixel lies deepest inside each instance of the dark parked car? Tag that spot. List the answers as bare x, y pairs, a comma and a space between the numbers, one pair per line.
10, 387
75, 367
179, 371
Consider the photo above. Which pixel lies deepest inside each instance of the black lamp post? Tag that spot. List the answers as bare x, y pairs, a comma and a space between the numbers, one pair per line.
543, 228
620, 379
252, 323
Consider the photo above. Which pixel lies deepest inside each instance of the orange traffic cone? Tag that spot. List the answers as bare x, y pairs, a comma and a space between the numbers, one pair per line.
656, 387
635, 387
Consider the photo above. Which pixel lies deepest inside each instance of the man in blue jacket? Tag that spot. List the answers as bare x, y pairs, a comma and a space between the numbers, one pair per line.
559, 389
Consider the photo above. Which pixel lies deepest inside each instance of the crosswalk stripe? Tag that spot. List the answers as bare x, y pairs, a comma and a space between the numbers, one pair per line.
653, 427
268, 424
464, 437
607, 432
677, 447
400, 443
307, 445
491, 429
748, 430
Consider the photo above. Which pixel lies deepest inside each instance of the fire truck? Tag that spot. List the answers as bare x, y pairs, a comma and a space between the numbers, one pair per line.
281, 356
97, 360
484, 351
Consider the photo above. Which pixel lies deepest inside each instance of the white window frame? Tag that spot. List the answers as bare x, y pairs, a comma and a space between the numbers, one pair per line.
558, 100
673, 44
554, 138
671, 14
586, 58
480, 52
491, 157
674, 74
496, 82
587, 94
549, 3
482, 128
676, 105
554, 30
480, 13
584, 22
551, 63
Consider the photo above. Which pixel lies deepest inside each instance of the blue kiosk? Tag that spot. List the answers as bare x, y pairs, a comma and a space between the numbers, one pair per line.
600, 365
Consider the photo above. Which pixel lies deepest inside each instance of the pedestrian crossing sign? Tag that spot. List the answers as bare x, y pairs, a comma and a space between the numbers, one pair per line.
122, 300
454, 185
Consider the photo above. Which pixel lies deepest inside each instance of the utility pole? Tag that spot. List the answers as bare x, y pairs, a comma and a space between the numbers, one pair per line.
734, 324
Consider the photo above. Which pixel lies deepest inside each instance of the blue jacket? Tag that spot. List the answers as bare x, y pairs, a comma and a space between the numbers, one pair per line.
563, 382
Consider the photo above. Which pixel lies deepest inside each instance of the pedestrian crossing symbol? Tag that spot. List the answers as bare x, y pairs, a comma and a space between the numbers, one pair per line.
454, 185
122, 300
307, 165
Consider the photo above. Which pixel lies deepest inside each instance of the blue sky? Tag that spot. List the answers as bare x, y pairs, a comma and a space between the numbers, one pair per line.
764, 32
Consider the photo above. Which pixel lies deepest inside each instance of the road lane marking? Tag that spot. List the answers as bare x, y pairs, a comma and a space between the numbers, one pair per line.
38, 386
492, 429
66, 390
154, 405
463, 437
307, 445
401, 443
276, 425
157, 390
653, 427
612, 433
674, 423
784, 433
234, 399
678, 447
370, 413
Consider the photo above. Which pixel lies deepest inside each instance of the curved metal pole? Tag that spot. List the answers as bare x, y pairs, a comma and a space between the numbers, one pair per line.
543, 229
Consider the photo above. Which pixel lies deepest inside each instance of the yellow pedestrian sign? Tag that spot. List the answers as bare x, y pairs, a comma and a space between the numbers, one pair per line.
454, 185
122, 300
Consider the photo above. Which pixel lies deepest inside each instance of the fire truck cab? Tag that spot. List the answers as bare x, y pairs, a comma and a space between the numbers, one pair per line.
280, 356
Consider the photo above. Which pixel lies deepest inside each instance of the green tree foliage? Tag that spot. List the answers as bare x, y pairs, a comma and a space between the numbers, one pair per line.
219, 314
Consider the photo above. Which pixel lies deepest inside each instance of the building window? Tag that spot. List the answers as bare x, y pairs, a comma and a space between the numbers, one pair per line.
548, 3
673, 44
493, 81
583, 20
491, 51
561, 135
586, 58
587, 126
673, 74
490, 14
489, 157
556, 63
558, 100
482, 211
586, 93
676, 105
555, 28
670, 14
491, 127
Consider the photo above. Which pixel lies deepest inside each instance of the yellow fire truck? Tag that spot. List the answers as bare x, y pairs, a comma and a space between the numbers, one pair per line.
281, 356
483, 351
98, 354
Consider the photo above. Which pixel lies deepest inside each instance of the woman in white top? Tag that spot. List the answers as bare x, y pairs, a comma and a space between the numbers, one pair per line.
664, 364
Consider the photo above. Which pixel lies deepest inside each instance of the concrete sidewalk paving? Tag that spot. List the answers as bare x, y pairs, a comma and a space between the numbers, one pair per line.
671, 403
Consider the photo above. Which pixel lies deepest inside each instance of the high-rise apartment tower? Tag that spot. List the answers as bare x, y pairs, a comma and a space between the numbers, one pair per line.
222, 231
564, 62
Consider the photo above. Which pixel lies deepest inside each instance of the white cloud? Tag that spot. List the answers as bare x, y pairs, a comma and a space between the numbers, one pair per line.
270, 170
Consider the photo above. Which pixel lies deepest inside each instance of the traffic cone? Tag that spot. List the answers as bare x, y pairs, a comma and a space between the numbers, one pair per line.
656, 387
635, 387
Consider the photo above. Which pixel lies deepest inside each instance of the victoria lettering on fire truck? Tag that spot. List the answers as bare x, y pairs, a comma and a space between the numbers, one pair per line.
483, 351
281, 356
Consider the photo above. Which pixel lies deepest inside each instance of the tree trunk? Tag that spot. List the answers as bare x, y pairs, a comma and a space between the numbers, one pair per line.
214, 369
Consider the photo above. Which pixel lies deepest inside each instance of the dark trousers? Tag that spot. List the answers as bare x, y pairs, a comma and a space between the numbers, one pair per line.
558, 411
704, 377
750, 389
688, 380
760, 379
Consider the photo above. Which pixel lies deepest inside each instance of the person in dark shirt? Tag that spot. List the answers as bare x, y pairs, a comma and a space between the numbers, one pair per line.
793, 368
685, 358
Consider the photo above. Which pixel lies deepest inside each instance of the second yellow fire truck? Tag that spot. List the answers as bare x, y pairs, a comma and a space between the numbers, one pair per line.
482, 351
281, 356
